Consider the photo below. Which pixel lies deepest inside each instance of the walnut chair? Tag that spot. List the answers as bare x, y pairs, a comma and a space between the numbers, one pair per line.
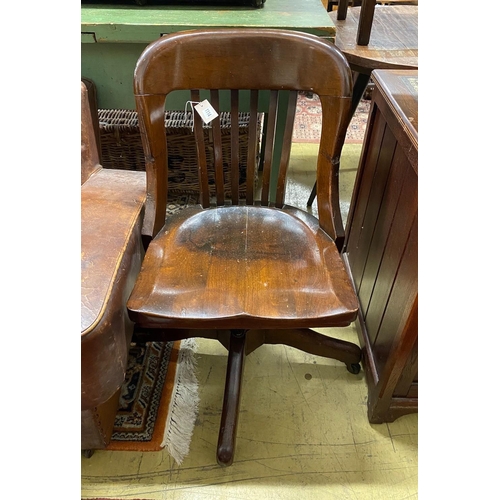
246, 272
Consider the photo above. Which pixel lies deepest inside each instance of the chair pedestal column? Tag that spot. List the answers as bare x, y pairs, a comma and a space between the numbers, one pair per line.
232, 391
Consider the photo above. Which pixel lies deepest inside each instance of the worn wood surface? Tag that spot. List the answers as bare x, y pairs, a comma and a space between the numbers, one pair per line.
382, 245
112, 210
90, 162
259, 266
393, 39
400, 92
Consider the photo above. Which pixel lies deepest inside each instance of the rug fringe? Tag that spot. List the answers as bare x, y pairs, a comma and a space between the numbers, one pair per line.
183, 409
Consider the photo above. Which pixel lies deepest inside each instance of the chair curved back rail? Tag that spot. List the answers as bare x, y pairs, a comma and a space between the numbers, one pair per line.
366, 15
233, 61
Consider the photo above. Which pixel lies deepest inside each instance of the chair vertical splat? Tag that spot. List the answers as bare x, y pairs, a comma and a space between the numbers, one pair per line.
217, 144
268, 154
287, 144
252, 146
235, 143
200, 150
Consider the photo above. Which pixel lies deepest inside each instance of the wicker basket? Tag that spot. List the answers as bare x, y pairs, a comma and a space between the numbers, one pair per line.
121, 148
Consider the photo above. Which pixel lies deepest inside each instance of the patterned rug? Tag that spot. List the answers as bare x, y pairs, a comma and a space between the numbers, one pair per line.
159, 399
308, 120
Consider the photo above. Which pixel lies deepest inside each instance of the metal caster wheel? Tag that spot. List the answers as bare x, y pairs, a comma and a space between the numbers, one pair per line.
87, 453
353, 368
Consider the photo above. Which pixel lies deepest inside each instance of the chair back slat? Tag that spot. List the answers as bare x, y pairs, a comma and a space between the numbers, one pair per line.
269, 149
235, 149
252, 146
217, 147
201, 153
286, 148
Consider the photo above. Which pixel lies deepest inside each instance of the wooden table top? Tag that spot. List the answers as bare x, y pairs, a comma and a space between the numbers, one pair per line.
393, 41
135, 24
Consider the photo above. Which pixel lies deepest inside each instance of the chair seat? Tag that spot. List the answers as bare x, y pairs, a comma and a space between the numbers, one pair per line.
211, 268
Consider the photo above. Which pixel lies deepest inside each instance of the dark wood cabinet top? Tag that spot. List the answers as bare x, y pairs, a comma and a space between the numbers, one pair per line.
400, 89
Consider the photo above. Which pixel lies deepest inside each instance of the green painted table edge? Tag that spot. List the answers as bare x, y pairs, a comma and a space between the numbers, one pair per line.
113, 36
120, 34
135, 24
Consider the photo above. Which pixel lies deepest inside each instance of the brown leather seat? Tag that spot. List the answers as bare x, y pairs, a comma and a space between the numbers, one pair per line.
112, 211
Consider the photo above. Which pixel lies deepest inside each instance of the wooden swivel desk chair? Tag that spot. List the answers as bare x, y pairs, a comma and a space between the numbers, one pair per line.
375, 37
245, 272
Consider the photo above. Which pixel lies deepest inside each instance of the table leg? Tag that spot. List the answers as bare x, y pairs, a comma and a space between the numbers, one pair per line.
360, 82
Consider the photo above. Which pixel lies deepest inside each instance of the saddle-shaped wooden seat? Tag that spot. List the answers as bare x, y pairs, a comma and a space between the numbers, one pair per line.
260, 267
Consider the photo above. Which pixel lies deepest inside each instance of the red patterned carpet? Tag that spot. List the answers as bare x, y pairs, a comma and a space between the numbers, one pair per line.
308, 120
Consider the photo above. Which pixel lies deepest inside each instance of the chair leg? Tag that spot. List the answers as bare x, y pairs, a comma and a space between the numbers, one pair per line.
231, 404
312, 196
360, 83
318, 344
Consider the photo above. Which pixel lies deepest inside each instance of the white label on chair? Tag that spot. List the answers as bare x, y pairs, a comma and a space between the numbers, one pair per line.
206, 111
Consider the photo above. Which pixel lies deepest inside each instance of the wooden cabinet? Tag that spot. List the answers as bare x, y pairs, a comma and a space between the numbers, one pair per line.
382, 243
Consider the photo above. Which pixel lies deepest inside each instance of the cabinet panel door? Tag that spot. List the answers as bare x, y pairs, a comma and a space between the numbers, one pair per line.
390, 205
399, 318
389, 264
365, 179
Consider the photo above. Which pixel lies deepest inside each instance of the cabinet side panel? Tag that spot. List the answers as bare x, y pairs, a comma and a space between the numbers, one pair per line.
397, 239
408, 383
364, 181
390, 202
401, 301
373, 205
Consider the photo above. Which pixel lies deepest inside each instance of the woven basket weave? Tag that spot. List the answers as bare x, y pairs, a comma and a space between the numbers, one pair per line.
121, 148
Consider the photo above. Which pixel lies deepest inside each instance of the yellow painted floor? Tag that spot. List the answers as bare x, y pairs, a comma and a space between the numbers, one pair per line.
303, 430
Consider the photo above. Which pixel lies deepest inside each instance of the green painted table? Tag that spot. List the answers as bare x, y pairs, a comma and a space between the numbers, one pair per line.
113, 37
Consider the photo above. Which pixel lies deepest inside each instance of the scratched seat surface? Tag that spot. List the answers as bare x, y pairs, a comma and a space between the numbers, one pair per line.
259, 265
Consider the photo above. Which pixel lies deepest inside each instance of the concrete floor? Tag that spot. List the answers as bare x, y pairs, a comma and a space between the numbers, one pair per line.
303, 431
